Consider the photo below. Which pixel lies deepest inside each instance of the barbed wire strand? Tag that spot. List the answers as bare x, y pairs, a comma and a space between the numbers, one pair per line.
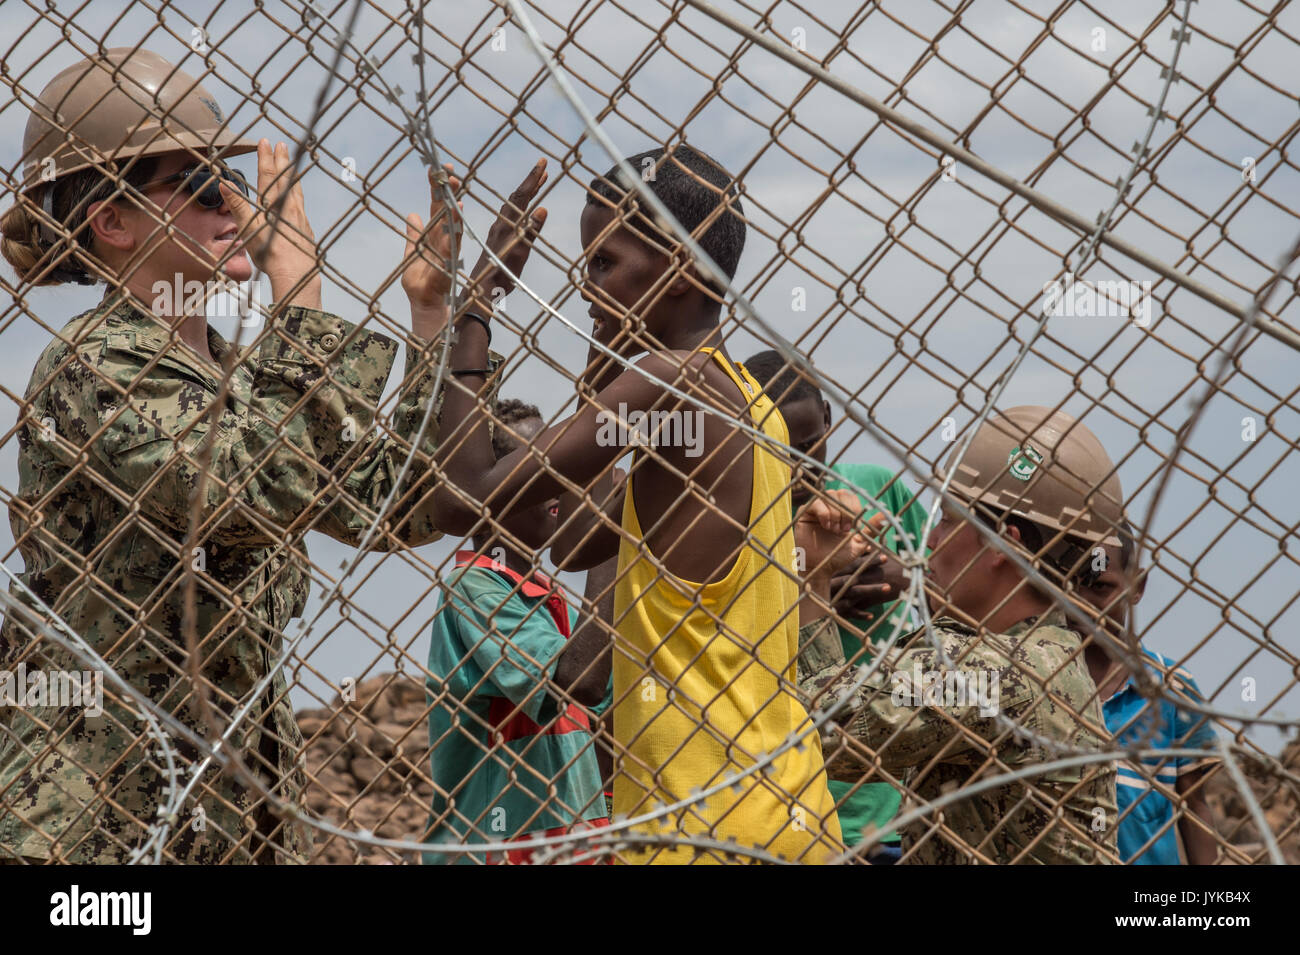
1035, 198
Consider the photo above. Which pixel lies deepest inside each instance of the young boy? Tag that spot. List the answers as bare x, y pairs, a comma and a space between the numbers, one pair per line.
706, 598
1146, 811
512, 759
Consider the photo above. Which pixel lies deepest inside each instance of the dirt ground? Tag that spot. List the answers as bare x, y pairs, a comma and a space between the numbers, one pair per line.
363, 769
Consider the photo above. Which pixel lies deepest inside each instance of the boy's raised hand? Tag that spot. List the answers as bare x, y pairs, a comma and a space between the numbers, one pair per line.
826, 530
870, 579
511, 239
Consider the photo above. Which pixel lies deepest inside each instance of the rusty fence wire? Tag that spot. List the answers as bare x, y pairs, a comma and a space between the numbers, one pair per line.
267, 602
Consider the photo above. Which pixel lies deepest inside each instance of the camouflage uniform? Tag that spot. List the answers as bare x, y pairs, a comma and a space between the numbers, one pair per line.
108, 463
1041, 683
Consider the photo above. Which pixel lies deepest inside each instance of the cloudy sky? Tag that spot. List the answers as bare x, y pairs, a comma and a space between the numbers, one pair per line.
919, 291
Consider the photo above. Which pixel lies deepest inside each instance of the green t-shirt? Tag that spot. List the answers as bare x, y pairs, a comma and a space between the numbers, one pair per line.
874, 804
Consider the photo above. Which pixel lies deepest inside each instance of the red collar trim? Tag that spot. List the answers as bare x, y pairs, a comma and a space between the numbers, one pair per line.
539, 585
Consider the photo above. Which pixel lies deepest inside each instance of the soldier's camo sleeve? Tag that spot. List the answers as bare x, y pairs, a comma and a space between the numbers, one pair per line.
821, 656
280, 457
372, 475
884, 719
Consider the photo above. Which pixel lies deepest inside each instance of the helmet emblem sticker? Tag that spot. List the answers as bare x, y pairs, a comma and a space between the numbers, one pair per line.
1023, 462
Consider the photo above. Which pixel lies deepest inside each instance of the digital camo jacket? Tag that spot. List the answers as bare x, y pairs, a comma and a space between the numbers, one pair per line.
111, 453
939, 731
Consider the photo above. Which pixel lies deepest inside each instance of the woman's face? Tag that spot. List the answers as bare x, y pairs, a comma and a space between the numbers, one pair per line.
201, 236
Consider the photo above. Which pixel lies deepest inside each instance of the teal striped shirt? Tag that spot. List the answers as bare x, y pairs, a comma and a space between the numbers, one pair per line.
509, 758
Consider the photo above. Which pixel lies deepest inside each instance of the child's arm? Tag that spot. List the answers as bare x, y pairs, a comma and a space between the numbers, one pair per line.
1193, 730
1200, 844
588, 534
583, 670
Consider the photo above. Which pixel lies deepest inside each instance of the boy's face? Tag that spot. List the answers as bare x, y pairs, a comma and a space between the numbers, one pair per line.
621, 270
533, 525
1109, 591
808, 422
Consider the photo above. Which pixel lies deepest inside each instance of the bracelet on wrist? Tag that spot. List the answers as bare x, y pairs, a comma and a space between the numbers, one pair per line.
457, 372
475, 317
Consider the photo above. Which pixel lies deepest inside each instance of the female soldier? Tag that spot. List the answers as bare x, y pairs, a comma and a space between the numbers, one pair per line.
120, 499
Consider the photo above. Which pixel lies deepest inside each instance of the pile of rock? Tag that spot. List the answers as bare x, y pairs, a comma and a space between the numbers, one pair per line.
368, 765
1278, 797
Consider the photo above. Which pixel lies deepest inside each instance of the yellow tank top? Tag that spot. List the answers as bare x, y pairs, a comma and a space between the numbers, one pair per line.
698, 683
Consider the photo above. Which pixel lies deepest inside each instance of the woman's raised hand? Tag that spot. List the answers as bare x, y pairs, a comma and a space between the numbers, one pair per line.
284, 249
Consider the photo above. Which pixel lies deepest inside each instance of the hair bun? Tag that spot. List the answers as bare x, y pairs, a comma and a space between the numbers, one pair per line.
21, 244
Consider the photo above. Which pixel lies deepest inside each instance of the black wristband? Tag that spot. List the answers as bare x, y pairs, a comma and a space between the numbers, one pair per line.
474, 317
471, 371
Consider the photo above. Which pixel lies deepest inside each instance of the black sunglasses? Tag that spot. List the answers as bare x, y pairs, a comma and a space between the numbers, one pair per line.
202, 182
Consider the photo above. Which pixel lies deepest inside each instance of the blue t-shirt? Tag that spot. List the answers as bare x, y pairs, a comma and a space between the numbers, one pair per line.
1145, 813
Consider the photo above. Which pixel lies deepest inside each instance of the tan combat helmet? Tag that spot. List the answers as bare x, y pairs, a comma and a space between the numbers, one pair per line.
1047, 468
118, 105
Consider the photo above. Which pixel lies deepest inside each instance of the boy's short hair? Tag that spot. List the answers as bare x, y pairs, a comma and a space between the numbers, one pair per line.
783, 383
692, 186
509, 412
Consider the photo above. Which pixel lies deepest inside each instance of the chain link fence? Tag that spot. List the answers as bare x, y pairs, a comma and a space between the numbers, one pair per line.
269, 603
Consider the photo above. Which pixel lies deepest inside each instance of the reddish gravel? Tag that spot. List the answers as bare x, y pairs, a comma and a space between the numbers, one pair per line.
368, 762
